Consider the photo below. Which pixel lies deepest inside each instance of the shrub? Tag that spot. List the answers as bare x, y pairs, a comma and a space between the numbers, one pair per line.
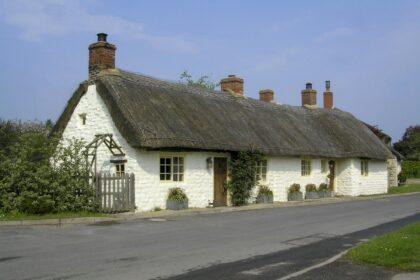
39, 176
310, 188
410, 169
265, 190
323, 187
402, 177
177, 194
294, 188
242, 176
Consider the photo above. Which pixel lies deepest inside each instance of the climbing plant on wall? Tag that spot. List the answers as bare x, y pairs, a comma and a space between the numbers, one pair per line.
242, 176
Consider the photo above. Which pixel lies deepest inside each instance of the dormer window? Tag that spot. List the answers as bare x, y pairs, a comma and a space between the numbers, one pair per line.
83, 118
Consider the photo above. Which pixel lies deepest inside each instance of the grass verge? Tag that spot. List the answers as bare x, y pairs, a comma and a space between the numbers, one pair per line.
404, 189
62, 215
398, 250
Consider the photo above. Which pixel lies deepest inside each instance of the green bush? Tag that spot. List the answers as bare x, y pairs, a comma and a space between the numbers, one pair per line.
264, 190
323, 187
411, 169
242, 176
310, 188
294, 188
177, 194
40, 176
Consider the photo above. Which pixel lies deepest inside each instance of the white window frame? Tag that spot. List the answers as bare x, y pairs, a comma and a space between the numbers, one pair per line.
324, 166
364, 167
261, 169
173, 170
305, 167
119, 169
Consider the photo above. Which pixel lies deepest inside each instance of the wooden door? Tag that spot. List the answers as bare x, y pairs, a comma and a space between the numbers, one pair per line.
220, 177
331, 165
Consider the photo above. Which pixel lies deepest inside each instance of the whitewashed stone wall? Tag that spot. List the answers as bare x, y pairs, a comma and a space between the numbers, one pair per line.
150, 192
284, 171
350, 181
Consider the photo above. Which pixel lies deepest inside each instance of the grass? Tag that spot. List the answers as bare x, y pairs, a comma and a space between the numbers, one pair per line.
397, 250
62, 215
404, 189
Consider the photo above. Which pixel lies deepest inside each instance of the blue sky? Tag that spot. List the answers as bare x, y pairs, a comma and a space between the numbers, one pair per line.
370, 50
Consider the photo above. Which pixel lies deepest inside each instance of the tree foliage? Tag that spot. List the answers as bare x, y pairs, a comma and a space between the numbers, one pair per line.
409, 145
203, 81
40, 175
242, 176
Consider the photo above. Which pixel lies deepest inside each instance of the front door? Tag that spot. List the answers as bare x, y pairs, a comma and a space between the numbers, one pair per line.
331, 165
220, 176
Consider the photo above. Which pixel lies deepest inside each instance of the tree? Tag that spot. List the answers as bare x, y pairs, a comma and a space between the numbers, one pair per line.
409, 145
203, 81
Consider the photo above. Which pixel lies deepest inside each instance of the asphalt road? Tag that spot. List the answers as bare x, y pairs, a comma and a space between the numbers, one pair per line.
259, 244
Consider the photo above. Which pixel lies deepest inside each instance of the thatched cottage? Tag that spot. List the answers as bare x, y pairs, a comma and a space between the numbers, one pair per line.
169, 134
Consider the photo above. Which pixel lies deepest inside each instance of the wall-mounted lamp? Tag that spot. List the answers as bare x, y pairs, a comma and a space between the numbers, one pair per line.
209, 162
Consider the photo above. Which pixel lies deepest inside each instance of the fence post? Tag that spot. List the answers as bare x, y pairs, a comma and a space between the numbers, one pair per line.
132, 192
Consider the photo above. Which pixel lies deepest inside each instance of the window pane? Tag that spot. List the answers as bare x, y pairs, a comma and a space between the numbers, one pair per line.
162, 169
162, 160
181, 160
175, 169
181, 169
168, 177
175, 160
162, 177
168, 161
175, 177
181, 177
167, 169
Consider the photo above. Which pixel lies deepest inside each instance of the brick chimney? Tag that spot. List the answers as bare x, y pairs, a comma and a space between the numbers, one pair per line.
309, 96
266, 95
328, 96
232, 84
101, 56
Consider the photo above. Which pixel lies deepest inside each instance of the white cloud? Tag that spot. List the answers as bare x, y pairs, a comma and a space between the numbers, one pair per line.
43, 18
338, 32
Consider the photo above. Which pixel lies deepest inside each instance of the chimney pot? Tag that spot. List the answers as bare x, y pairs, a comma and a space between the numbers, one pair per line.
232, 84
328, 96
327, 85
308, 96
101, 56
102, 37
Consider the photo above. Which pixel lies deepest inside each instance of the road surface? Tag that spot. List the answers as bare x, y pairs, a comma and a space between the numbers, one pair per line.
259, 244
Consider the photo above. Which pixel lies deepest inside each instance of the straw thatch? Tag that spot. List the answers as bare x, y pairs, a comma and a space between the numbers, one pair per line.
156, 114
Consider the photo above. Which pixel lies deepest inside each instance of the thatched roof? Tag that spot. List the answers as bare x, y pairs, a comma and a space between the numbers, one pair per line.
156, 114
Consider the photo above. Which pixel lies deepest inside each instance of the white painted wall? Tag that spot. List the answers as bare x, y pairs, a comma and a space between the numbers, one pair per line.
150, 191
198, 182
350, 181
283, 172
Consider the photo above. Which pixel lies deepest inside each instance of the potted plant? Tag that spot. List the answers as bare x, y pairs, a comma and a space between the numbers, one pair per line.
324, 191
177, 199
294, 193
265, 195
311, 192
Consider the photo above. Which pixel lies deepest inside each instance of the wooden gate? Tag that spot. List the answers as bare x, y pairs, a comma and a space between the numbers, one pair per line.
115, 193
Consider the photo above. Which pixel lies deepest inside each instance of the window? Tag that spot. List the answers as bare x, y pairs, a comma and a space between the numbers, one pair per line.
83, 118
171, 169
120, 169
364, 167
305, 167
324, 166
261, 170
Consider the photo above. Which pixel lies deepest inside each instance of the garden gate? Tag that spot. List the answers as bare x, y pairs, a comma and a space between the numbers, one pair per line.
114, 193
